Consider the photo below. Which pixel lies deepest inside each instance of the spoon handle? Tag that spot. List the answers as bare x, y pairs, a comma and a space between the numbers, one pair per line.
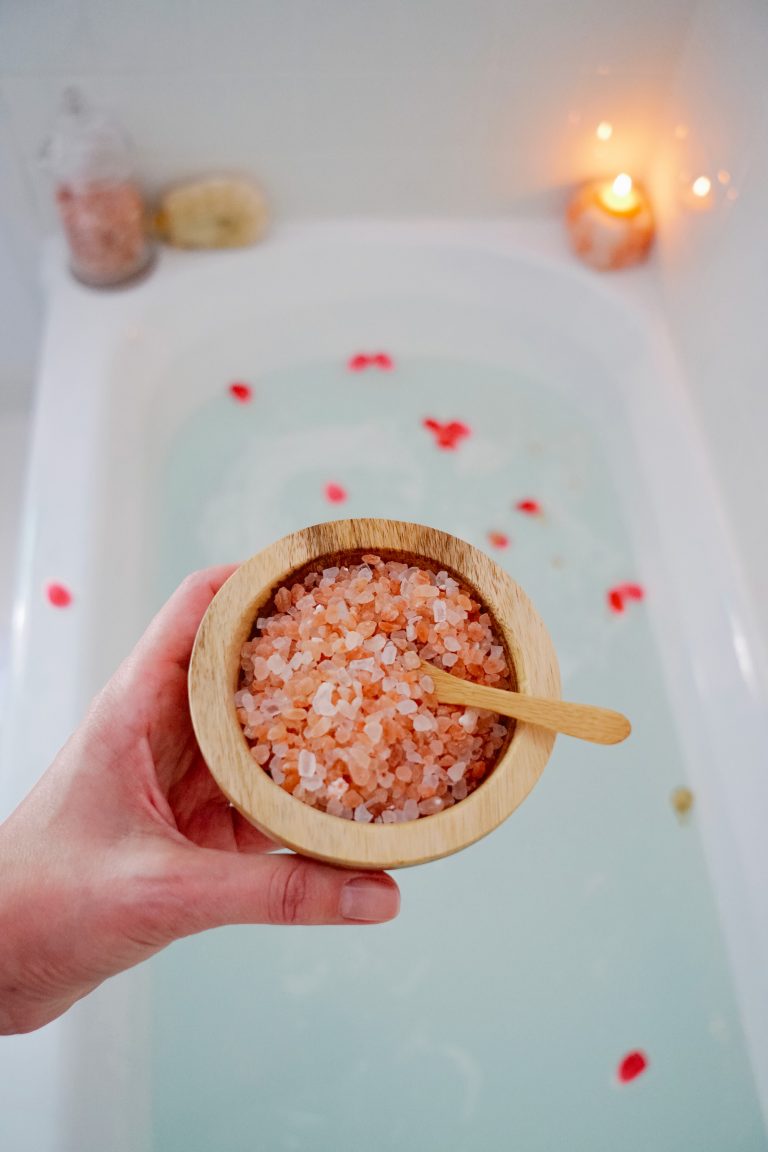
599, 725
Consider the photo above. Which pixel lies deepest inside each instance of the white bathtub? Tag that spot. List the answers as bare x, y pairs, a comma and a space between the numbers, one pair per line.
594, 922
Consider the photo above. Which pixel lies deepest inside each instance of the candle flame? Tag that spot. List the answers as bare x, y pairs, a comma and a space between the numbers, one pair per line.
622, 185
701, 186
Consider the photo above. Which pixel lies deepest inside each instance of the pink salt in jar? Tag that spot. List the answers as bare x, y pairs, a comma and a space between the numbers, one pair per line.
98, 198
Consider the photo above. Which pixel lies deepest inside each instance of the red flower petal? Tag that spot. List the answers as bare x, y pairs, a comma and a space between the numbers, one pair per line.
241, 392
632, 591
618, 596
447, 435
363, 360
58, 595
498, 539
530, 507
632, 1066
335, 494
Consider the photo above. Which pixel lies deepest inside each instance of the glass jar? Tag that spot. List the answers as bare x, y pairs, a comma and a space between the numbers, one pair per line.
98, 198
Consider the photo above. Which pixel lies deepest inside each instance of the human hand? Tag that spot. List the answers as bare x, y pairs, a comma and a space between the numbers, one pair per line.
126, 843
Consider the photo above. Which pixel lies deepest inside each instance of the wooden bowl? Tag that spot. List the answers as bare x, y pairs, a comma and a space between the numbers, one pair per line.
215, 668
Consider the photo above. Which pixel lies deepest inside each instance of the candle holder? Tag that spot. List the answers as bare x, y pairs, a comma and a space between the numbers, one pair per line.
610, 223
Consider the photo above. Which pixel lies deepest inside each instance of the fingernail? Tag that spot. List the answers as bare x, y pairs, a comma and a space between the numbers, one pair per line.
368, 899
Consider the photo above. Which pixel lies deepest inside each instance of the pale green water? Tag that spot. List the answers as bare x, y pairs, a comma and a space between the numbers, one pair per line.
493, 1013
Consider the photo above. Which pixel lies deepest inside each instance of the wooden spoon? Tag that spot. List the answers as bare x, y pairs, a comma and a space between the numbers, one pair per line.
584, 721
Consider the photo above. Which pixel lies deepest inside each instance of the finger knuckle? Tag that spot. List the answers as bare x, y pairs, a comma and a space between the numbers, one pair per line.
192, 581
288, 895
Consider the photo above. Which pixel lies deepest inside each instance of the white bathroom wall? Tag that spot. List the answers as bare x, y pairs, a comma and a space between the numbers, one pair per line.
713, 258
386, 107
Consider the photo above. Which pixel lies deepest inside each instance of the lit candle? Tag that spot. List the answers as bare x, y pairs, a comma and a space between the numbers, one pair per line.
620, 197
610, 223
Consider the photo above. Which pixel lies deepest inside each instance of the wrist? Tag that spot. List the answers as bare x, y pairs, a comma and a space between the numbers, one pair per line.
31, 990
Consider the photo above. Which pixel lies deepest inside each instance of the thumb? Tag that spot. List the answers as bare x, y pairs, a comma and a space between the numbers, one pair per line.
224, 888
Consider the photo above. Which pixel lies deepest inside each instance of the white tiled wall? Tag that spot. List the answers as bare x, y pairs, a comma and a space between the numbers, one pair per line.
387, 107
714, 259
14, 434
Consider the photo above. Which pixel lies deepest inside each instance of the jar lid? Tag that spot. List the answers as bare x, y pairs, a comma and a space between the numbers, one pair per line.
86, 142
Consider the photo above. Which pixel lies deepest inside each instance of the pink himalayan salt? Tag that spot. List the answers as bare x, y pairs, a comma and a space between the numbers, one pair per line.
104, 224
334, 704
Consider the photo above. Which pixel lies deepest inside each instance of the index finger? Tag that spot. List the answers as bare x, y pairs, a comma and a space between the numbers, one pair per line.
170, 636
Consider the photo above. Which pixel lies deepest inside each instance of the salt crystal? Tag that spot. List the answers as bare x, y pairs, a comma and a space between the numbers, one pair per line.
451, 644
308, 763
411, 810
438, 611
318, 727
322, 700
411, 660
429, 777
423, 723
352, 640
362, 815
388, 654
469, 720
457, 770
275, 663
373, 731
406, 706
337, 611
427, 684
448, 659
348, 708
